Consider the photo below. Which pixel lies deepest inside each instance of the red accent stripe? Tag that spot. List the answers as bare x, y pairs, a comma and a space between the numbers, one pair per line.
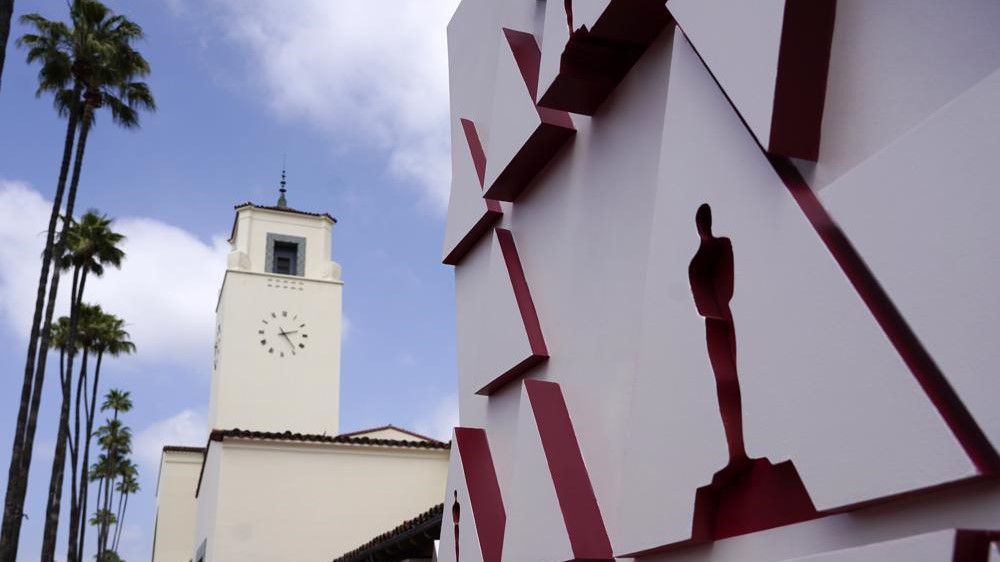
973, 546
489, 217
800, 86
529, 59
484, 490
545, 140
594, 61
529, 317
521, 292
476, 149
493, 210
930, 378
581, 514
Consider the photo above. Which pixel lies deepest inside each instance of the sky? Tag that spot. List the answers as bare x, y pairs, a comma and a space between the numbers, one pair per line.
354, 95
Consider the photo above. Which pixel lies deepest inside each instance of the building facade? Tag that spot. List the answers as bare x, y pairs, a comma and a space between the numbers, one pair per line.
276, 480
724, 276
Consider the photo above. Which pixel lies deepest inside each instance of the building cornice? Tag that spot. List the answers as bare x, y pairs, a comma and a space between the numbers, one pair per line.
222, 435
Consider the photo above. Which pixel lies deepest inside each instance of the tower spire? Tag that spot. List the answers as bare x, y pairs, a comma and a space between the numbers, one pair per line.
282, 202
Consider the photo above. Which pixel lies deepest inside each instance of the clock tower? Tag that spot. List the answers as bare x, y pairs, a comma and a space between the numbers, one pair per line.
278, 324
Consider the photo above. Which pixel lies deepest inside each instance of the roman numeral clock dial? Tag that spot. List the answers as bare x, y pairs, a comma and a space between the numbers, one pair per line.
282, 334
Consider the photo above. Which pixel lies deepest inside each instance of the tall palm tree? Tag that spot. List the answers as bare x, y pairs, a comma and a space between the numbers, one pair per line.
117, 400
128, 486
87, 66
46, 46
115, 481
88, 319
90, 246
116, 440
6, 11
112, 339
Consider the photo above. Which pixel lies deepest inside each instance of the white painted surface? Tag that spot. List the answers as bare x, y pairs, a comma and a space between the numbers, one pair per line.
554, 39
468, 532
893, 63
501, 324
932, 547
801, 330
176, 507
607, 231
748, 74
471, 98
311, 502
925, 208
536, 531
514, 117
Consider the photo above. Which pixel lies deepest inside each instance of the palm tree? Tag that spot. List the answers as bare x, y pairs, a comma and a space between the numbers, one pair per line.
110, 556
90, 246
128, 486
117, 400
93, 322
102, 518
6, 11
112, 339
88, 66
88, 318
116, 441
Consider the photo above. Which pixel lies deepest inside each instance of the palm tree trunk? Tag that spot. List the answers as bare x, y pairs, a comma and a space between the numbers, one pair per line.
50, 532
6, 11
109, 487
120, 524
118, 518
20, 458
85, 472
77, 492
52, 509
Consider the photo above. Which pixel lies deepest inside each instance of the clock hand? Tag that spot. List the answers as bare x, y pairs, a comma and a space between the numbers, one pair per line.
290, 343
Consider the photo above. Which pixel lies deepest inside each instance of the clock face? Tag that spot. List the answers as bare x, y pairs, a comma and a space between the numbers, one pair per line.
282, 334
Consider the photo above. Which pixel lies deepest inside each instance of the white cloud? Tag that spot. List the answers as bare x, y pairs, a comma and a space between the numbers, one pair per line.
439, 422
372, 72
165, 291
187, 427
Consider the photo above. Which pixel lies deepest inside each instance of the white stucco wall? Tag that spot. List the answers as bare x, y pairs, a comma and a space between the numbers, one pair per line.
261, 390
208, 498
310, 502
253, 224
176, 506
261, 379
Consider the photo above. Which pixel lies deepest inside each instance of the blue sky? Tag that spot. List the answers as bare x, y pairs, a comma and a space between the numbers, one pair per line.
355, 93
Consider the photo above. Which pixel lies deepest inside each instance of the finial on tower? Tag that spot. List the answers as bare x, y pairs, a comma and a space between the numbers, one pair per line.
282, 202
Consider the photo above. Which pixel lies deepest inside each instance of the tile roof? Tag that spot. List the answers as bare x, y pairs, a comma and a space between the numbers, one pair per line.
219, 435
183, 449
389, 426
232, 233
411, 538
349, 439
283, 210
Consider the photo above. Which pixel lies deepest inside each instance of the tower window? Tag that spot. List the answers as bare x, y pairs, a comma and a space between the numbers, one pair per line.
286, 255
